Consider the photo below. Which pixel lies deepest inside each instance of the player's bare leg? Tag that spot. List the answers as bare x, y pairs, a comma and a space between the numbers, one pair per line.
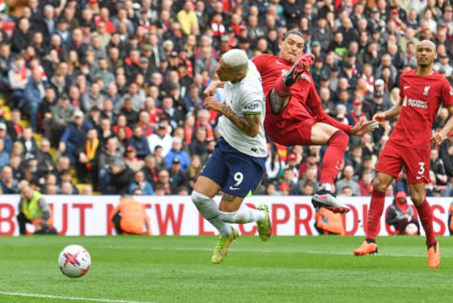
337, 142
417, 192
380, 185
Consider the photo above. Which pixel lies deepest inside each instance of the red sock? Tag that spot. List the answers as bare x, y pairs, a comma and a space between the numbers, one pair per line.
426, 217
281, 89
374, 214
333, 157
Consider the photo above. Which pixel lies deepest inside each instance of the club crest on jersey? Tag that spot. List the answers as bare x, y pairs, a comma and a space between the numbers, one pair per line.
426, 90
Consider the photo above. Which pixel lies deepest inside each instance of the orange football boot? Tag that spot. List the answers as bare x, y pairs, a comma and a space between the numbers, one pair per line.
366, 249
434, 255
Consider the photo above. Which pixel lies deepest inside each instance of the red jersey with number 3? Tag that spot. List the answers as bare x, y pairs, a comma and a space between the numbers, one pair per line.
422, 97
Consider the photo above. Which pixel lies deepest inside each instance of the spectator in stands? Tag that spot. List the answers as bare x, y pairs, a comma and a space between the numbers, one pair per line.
366, 183
34, 92
28, 143
107, 109
5, 65
94, 97
438, 167
121, 177
141, 183
163, 186
14, 129
4, 155
347, 180
106, 160
87, 158
177, 177
46, 164
176, 151
131, 160
121, 123
62, 116
199, 144
7, 140
18, 77
74, 136
129, 113
139, 143
8, 184
161, 138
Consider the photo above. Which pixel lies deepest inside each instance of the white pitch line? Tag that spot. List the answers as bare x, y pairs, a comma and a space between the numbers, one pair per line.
19, 294
270, 251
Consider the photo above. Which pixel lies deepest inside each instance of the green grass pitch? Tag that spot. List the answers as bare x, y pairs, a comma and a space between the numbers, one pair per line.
178, 269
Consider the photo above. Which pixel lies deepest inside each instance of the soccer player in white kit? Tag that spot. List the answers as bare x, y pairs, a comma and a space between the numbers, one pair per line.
237, 163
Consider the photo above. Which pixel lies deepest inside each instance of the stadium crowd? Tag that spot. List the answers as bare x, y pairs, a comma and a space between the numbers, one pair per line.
108, 93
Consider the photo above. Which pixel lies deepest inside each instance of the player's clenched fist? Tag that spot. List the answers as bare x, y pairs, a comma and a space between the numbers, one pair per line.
211, 89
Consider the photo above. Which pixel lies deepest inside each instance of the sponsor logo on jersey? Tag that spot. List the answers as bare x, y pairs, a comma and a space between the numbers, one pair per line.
415, 103
406, 87
251, 106
426, 90
279, 63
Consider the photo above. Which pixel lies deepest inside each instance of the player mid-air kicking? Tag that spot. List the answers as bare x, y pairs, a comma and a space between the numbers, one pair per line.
294, 115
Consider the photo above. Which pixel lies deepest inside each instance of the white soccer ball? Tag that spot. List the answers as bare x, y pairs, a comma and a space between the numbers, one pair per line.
411, 229
74, 261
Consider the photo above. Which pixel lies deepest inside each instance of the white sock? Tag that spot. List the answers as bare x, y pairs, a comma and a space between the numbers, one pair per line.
210, 211
327, 186
244, 214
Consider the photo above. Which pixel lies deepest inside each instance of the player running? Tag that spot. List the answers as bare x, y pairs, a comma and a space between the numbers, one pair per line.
294, 115
237, 164
422, 92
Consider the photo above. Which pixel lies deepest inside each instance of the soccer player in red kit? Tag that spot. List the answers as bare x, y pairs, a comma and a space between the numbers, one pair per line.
294, 115
422, 92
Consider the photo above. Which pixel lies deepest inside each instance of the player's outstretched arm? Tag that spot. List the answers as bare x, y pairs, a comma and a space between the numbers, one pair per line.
440, 136
249, 124
394, 111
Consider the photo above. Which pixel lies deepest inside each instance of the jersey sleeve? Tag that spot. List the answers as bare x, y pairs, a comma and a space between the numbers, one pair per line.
252, 102
316, 108
446, 94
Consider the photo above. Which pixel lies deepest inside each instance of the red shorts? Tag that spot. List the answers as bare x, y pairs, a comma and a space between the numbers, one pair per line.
416, 161
289, 135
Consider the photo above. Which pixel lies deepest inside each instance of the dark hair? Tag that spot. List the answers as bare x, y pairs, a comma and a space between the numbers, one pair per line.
293, 32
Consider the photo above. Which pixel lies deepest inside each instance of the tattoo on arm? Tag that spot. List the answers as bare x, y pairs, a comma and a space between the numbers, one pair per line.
249, 124
277, 103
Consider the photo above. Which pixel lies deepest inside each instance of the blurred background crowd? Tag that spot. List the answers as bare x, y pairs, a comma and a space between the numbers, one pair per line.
105, 96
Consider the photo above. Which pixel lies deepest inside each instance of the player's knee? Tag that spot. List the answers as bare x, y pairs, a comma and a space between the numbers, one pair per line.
417, 198
199, 199
379, 184
339, 138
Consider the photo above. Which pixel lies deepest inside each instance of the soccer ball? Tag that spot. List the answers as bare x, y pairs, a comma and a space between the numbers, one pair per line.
74, 261
411, 229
